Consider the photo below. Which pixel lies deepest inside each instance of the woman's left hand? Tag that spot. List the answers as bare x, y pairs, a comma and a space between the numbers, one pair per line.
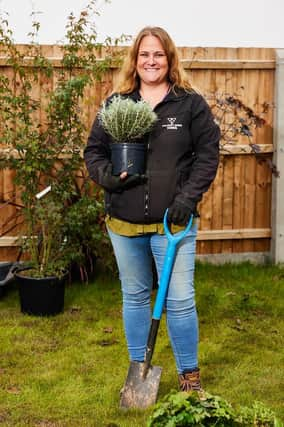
179, 212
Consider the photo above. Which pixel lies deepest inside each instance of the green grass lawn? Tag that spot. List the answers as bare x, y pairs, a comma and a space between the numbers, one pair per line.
68, 370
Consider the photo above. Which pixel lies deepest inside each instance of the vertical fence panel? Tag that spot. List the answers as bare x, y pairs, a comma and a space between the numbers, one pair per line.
238, 199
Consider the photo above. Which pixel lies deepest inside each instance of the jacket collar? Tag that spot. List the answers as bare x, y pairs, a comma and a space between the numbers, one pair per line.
172, 95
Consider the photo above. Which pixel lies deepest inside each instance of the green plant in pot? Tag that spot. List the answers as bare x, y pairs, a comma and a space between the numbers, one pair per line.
42, 278
43, 142
127, 122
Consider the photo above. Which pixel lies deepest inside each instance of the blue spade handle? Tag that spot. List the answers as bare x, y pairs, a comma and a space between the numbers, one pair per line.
173, 240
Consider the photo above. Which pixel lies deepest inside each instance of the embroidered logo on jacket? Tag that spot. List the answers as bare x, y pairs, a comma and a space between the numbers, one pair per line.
172, 124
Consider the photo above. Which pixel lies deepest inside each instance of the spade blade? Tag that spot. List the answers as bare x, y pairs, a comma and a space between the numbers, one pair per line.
140, 390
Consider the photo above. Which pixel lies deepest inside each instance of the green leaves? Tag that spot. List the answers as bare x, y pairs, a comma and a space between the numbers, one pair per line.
179, 409
45, 136
45, 242
126, 120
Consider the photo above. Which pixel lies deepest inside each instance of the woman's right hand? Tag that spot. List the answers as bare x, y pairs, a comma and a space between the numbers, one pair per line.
117, 184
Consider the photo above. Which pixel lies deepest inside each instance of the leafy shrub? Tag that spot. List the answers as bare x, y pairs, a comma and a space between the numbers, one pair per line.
43, 138
179, 409
86, 235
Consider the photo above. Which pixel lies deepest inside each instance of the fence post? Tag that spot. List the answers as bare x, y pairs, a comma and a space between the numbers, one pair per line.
277, 218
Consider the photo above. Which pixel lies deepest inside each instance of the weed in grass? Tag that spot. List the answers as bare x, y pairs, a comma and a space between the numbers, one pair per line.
183, 410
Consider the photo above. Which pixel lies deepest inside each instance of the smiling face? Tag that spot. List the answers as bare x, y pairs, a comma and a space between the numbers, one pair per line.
152, 63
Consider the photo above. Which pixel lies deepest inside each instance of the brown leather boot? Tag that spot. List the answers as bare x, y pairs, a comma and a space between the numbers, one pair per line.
190, 381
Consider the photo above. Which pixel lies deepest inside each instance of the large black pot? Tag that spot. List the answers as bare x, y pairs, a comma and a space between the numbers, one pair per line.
128, 157
41, 296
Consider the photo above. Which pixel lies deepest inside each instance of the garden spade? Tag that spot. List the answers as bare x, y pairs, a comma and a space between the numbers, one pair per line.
142, 383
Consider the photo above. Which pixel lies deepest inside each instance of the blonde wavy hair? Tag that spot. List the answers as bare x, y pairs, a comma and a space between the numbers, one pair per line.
128, 79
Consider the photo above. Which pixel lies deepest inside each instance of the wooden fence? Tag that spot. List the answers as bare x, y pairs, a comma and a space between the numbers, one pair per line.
236, 211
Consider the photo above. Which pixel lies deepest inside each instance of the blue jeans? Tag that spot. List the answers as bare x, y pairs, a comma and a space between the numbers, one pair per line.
134, 260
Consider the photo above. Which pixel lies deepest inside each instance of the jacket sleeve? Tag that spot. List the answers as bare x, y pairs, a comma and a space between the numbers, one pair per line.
97, 151
205, 134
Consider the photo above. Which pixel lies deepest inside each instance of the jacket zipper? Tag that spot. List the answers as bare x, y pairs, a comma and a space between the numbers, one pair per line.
146, 197
147, 192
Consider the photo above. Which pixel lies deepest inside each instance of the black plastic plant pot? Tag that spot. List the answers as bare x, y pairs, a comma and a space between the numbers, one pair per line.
41, 296
128, 157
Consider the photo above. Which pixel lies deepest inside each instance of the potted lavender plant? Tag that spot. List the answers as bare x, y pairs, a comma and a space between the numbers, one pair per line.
127, 122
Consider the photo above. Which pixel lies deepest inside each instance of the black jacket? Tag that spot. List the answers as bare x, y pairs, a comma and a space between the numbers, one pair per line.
182, 158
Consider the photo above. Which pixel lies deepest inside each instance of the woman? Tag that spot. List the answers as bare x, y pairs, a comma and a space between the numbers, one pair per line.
182, 160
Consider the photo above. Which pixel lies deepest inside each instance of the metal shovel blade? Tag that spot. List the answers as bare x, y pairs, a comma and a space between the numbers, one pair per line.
140, 392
